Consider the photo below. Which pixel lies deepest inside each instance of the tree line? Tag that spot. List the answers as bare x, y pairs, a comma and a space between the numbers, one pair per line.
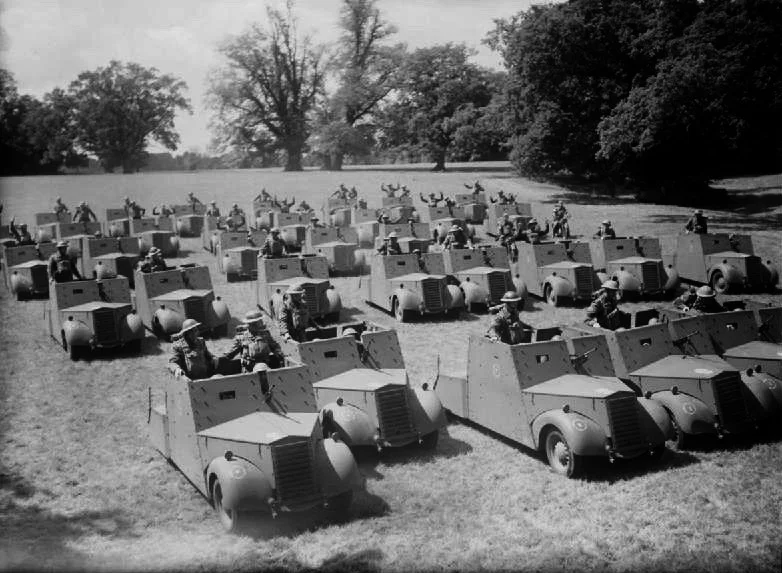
657, 94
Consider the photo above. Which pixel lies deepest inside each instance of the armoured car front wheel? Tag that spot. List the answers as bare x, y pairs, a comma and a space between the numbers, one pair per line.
718, 282
400, 313
680, 438
550, 296
560, 457
228, 517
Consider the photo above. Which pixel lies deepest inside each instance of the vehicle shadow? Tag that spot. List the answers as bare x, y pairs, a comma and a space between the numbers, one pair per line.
150, 346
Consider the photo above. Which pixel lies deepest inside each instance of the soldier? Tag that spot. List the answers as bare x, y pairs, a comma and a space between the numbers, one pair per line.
316, 224
192, 200
274, 246
697, 223
304, 207
506, 326
384, 218
500, 198
405, 192
705, 302
603, 310
361, 203
236, 218
22, 235
62, 266
255, 345
263, 196
213, 210
134, 211
456, 239
606, 231
433, 200
84, 213
388, 190
165, 210
294, 318
560, 216
390, 245
153, 262
285, 206
534, 230
60, 208
340, 193
189, 355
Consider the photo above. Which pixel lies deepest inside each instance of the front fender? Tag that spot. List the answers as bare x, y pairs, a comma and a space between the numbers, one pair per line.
628, 282
427, 410
584, 436
244, 485
20, 284
521, 289
691, 414
351, 422
173, 242
407, 299
763, 394
336, 468
474, 293
44, 235
101, 272
220, 313
334, 300
655, 421
359, 260
456, 297
560, 287
76, 333
733, 276
673, 280
229, 267
170, 321
131, 327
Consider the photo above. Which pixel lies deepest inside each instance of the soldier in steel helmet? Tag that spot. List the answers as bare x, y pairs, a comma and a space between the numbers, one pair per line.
294, 318
60, 208
213, 210
83, 213
604, 310
705, 302
193, 201
274, 246
255, 345
506, 325
153, 262
135, 211
189, 355
62, 266
21, 234
697, 223
390, 245
456, 239
605, 231
164, 210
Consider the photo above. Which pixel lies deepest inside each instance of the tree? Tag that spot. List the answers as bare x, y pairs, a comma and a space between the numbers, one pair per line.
367, 73
264, 96
120, 108
438, 94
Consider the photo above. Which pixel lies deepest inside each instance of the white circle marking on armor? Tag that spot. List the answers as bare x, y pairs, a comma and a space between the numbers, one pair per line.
580, 425
238, 472
688, 408
772, 384
703, 371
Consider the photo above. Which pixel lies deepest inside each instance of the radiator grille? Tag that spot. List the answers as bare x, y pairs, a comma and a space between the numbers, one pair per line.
294, 473
730, 402
312, 297
40, 277
105, 326
584, 282
624, 423
195, 309
651, 275
393, 412
498, 284
433, 296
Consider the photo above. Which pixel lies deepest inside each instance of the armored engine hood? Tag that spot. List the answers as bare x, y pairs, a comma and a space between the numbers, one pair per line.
28, 264
182, 294
581, 386
635, 260
263, 427
566, 265
365, 379
756, 349
416, 277
95, 305
689, 367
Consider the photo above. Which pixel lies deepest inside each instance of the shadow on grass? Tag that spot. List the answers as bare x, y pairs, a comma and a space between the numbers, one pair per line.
363, 560
734, 219
150, 346
365, 505
506, 170
35, 538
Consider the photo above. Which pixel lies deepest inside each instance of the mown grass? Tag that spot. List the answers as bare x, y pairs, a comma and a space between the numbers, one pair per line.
82, 489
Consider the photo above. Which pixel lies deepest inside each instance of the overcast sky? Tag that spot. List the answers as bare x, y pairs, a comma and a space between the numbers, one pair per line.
46, 43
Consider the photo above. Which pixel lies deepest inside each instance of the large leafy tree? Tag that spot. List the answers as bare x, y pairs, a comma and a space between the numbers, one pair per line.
367, 68
119, 109
440, 93
264, 96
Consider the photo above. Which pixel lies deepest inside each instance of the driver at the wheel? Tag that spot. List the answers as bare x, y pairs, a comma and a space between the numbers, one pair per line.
604, 307
506, 326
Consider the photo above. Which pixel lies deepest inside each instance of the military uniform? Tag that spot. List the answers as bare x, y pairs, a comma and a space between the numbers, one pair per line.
273, 247
389, 248
697, 224
135, 212
195, 360
254, 348
60, 208
686, 300
22, 236
602, 309
606, 233
213, 211
83, 214
506, 326
294, 320
455, 240
707, 305
62, 268
152, 265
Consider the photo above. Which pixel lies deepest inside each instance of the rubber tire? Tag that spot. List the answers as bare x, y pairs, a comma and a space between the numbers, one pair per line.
718, 283
63, 341
340, 503
574, 463
75, 352
231, 519
680, 439
551, 298
400, 314
429, 441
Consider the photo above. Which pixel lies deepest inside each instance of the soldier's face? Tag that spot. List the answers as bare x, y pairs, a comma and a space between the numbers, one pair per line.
255, 327
511, 305
190, 335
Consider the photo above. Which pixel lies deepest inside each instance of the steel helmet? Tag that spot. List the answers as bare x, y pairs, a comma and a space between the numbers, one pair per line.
23, 226
62, 244
698, 212
607, 223
59, 199
235, 205
83, 204
610, 285
454, 228
392, 235
154, 251
295, 289
213, 202
510, 296
705, 292
349, 332
260, 367
189, 324
253, 316
275, 231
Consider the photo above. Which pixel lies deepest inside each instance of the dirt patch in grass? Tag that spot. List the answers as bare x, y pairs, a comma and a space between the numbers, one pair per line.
81, 488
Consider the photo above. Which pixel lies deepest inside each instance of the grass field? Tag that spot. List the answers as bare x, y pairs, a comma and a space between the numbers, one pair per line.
81, 488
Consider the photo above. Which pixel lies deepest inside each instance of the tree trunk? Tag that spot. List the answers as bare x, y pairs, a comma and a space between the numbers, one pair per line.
293, 158
336, 161
439, 160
